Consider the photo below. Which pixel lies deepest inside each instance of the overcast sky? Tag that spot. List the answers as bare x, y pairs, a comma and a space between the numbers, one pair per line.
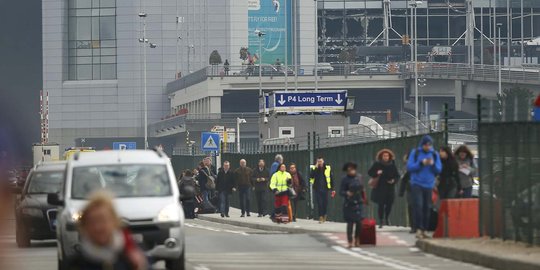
20, 73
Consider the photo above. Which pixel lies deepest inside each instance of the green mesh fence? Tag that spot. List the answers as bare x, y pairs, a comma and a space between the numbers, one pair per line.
510, 181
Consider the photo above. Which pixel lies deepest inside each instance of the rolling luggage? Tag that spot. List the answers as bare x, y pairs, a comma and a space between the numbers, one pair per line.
368, 235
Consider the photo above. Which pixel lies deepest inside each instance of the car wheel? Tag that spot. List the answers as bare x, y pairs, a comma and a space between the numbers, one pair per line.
178, 264
22, 238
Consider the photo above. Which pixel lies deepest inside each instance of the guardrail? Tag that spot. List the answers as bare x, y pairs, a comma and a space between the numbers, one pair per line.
528, 75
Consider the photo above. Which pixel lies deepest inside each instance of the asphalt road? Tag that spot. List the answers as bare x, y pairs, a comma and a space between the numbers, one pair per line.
213, 246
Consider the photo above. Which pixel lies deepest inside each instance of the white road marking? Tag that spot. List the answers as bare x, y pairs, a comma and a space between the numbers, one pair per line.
333, 237
341, 242
383, 260
201, 267
191, 225
393, 237
401, 242
414, 249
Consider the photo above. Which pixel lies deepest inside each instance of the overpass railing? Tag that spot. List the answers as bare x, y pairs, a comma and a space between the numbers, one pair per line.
528, 75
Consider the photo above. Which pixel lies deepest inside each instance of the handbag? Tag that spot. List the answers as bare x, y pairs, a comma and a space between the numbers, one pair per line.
211, 181
292, 193
373, 182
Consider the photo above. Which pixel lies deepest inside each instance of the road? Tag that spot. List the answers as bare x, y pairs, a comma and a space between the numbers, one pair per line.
214, 246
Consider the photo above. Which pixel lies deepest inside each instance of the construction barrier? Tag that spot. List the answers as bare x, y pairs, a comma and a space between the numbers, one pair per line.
458, 218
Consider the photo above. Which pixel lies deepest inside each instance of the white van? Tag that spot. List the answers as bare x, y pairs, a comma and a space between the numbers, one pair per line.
146, 198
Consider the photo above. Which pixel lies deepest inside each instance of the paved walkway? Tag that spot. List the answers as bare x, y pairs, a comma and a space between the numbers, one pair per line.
300, 226
495, 254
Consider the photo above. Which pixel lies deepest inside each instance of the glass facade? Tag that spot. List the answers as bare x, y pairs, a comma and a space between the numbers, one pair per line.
92, 39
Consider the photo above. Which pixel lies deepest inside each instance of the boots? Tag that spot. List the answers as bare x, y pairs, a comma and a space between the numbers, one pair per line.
321, 219
357, 241
324, 218
350, 245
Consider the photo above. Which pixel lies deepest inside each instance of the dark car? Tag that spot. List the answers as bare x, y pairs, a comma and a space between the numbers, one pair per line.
35, 218
371, 70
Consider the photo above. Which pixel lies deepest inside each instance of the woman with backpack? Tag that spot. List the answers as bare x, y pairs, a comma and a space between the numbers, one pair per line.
467, 170
448, 179
384, 176
352, 191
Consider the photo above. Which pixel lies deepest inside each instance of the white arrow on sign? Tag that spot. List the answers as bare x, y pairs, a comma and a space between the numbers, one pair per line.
339, 100
281, 101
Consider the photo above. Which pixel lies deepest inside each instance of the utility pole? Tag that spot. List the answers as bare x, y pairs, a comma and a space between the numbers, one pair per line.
499, 25
316, 69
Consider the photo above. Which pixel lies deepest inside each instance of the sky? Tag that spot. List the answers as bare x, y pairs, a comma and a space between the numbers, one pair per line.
20, 75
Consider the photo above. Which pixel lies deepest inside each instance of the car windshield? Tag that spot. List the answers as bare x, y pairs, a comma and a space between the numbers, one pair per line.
45, 182
124, 181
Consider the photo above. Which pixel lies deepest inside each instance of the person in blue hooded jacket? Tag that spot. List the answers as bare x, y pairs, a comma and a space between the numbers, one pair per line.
424, 165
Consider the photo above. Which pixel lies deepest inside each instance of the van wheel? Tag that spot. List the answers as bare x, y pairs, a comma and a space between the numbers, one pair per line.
22, 238
178, 264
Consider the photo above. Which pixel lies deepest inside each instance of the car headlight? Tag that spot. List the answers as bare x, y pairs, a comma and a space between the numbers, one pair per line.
32, 212
169, 213
76, 216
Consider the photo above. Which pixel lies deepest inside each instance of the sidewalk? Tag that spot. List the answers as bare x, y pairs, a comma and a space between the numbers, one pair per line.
300, 226
495, 254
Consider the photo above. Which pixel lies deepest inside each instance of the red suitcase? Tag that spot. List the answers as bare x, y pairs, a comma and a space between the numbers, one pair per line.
368, 235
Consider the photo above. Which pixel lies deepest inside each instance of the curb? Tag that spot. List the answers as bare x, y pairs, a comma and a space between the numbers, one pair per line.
475, 257
270, 227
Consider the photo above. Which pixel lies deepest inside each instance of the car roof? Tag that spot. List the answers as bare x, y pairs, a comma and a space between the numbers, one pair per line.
118, 157
50, 166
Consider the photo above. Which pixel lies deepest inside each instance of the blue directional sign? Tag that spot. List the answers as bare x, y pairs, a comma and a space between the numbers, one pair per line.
210, 141
302, 101
124, 145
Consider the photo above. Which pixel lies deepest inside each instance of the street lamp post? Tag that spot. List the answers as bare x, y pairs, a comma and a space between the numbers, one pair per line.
238, 122
260, 34
414, 39
189, 47
499, 25
144, 41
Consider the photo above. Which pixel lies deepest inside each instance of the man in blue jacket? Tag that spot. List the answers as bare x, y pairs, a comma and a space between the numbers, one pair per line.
424, 165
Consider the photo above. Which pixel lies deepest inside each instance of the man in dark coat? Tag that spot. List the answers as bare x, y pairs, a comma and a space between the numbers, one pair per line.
242, 177
385, 170
299, 186
225, 186
321, 179
260, 180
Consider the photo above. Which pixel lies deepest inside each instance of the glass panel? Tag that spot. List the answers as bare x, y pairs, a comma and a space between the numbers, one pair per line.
83, 12
95, 3
84, 60
84, 72
95, 44
95, 12
107, 12
96, 72
108, 43
72, 72
84, 52
108, 27
108, 52
83, 44
96, 59
95, 28
108, 59
83, 28
96, 52
82, 4
73, 60
72, 33
72, 52
108, 72
108, 3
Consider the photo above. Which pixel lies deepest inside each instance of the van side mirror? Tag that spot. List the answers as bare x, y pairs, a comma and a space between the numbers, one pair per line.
54, 199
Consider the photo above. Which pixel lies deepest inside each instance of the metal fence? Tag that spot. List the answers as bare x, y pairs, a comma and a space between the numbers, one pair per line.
362, 153
510, 181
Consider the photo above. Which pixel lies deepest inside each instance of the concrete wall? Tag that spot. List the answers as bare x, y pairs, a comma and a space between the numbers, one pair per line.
302, 125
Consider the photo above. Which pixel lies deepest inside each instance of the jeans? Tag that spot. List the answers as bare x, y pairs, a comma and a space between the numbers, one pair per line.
224, 202
206, 195
467, 193
261, 195
410, 210
384, 210
422, 206
189, 208
294, 205
322, 201
356, 232
244, 194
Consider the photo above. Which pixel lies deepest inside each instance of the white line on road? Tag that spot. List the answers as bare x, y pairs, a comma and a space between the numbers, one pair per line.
201, 267
414, 249
375, 258
191, 225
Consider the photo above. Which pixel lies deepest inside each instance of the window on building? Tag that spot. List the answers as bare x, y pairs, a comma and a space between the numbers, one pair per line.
92, 39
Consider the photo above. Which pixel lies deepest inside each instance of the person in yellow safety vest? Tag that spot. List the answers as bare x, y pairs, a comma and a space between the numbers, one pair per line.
279, 184
322, 182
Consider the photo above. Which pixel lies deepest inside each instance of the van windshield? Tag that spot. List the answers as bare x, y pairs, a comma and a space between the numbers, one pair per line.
124, 181
46, 182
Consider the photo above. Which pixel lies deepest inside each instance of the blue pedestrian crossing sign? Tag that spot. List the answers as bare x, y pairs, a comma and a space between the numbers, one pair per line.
210, 141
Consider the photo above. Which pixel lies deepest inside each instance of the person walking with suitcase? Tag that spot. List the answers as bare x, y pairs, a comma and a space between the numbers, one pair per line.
260, 180
225, 187
385, 175
242, 177
299, 187
279, 184
424, 165
352, 191
188, 190
322, 182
